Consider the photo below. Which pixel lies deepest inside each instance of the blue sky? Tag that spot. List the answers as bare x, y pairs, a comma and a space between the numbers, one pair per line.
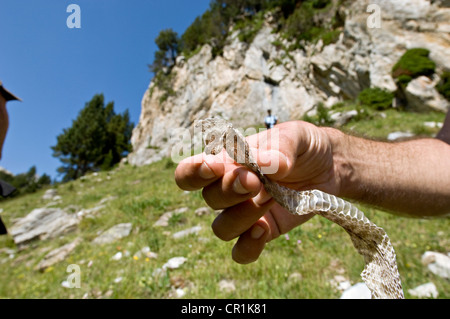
56, 70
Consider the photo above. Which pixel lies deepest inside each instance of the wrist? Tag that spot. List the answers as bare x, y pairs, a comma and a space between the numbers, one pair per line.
344, 171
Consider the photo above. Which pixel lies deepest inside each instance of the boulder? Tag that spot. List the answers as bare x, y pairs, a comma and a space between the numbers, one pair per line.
358, 291
422, 95
50, 194
57, 255
187, 232
427, 290
43, 223
396, 136
437, 263
174, 263
342, 118
113, 234
163, 221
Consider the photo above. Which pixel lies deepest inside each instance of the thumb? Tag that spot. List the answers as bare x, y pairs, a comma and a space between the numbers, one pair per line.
273, 163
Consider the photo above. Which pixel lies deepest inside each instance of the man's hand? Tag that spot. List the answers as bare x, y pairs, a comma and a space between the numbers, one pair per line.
305, 158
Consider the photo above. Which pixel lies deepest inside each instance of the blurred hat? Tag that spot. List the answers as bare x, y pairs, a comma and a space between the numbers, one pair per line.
8, 95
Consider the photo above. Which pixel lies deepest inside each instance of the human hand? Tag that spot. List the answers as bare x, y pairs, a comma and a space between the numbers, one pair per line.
305, 161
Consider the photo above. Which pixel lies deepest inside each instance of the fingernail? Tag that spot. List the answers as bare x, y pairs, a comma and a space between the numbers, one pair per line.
257, 232
205, 172
238, 188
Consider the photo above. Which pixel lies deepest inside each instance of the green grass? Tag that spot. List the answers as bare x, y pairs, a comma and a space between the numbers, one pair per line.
145, 193
377, 124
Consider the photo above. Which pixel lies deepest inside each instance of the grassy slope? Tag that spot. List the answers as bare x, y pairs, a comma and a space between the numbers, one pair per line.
143, 194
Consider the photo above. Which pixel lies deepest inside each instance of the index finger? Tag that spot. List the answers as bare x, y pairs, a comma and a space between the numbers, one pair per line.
198, 171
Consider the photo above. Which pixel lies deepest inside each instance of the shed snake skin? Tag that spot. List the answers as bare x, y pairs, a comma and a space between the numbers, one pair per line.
380, 273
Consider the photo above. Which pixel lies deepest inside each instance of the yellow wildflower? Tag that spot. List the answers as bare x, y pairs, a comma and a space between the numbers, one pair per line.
48, 269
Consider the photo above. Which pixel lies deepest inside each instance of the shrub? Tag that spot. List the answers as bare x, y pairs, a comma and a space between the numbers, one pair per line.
25, 183
249, 28
414, 63
329, 37
320, 4
444, 86
404, 79
303, 24
376, 98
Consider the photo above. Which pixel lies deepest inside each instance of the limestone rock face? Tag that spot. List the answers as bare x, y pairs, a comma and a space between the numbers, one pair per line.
248, 79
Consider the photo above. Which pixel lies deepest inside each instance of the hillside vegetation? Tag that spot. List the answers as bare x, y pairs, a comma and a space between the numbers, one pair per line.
296, 20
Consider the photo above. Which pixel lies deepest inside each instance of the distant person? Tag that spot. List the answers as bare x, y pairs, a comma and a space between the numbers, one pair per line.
270, 120
5, 96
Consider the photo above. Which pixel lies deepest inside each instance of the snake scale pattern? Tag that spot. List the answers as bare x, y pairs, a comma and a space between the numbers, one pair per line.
380, 273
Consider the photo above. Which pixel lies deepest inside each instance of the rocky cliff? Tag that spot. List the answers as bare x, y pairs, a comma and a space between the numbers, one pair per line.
248, 79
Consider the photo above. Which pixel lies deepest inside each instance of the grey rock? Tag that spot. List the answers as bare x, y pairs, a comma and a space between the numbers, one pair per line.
43, 223
50, 194
202, 211
113, 234
340, 283
438, 125
174, 263
163, 221
187, 232
437, 263
146, 252
117, 256
422, 95
227, 286
57, 255
427, 290
399, 135
342, 118
90, 212
358, 291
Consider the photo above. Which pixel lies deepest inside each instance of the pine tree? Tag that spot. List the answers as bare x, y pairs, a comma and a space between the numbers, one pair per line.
168, 44
97, 139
